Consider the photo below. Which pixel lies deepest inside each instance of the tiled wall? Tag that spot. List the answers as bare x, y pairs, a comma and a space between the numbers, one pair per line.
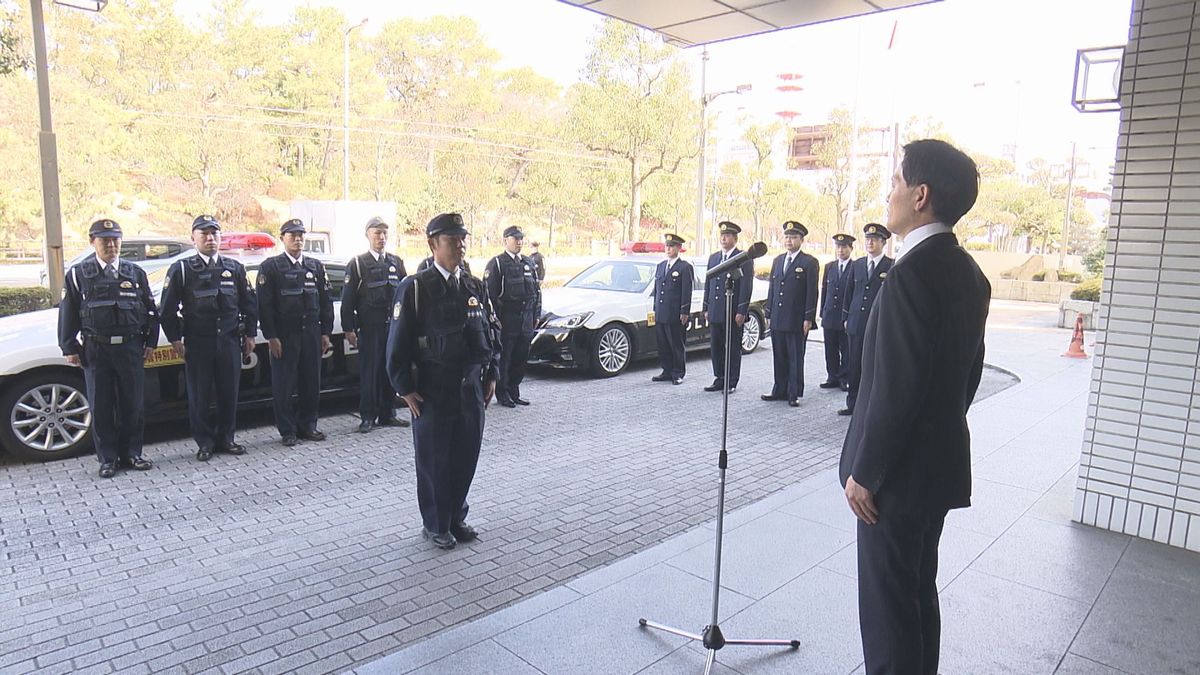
1140, 469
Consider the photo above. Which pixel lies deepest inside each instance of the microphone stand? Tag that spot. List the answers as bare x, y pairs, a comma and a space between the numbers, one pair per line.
712, 637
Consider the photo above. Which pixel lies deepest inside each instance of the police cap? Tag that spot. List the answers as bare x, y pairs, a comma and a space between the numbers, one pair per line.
377, 223
843, 239
205, 222
672, 239
795, 227
877, 230
728, 227
513, 231
446, 223
294, 225
104, 228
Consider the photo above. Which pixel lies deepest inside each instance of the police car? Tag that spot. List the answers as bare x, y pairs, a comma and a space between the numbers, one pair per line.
603, 318
44, 412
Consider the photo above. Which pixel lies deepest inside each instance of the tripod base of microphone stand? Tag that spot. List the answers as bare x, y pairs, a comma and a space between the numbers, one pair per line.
713, 639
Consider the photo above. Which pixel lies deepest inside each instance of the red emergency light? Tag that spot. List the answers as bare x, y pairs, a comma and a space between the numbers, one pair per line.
246, 241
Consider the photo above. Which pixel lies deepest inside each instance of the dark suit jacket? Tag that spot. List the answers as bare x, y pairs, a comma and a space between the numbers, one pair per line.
792, 299
833, 294
908, 441
861, 292
714, 289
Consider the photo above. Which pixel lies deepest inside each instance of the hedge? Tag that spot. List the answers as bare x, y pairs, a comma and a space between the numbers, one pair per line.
20, 300
1088, 290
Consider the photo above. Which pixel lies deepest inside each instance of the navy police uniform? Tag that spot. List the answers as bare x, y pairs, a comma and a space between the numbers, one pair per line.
672, 308
714, 309
442, 345
371, 283
833, 303
791, 300
209, 305
111, 310
866, 278
516, 295
295, 308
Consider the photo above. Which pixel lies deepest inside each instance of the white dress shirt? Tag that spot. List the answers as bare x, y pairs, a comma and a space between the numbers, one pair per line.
919, 235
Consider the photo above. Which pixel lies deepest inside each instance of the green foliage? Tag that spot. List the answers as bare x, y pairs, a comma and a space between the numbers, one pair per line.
1070, 277
852, 187
1087, 290
13, 57
21, 300
1039, 276
1093, 260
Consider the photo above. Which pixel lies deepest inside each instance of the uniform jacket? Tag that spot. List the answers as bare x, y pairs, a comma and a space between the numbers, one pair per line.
515, 292
861, 292
370, 289
833, 295
437, 336
792, 298
908, 441
673, 290
291, 296
96, 304
714, 289
202, 300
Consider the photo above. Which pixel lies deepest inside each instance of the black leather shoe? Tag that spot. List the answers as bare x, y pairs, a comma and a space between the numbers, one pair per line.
520, 401
678, 380
506, 403
204, 454
392, 422
444, 541
463, 533
661, 377
232, 449
772, 397
733, 389
108, 470
717, 385
845, 412
830, 385
844, 387
365, 427
795, 403
311, 435
135, 463
290, 441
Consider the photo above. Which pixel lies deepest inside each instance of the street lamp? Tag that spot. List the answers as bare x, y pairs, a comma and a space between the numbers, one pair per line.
48, 145
705, 99
346, 109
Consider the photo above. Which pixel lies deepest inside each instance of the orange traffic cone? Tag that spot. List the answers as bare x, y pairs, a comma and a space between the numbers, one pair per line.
1075, 351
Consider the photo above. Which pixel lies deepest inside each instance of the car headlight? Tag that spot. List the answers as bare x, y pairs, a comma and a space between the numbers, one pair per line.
569, 321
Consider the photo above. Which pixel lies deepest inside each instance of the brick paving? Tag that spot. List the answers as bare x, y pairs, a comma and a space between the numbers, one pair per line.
310, 559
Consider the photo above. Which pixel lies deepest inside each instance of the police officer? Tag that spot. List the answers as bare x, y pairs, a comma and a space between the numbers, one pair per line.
539, 261
866, 277
792, 312
296, 315
442, 356
421, 266
515, 292
107, 302
672, 308
210, 316
367, 296
714, 308
833, 300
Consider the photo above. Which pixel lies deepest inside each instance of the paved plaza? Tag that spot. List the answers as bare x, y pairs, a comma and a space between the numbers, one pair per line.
309, 559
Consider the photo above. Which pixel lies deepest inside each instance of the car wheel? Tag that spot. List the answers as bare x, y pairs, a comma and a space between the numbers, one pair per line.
46, 416
612, 350
751, 333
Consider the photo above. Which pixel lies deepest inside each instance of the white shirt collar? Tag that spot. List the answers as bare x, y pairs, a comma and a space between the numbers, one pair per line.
116, 263
207, 260
919, 235
671, 261
514, 256
376, 256
295, 261
446, 273
874, 258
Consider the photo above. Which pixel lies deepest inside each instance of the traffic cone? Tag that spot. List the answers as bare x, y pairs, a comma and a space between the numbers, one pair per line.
1075, 351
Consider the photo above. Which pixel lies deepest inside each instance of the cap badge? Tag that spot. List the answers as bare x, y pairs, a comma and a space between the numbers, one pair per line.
108, 224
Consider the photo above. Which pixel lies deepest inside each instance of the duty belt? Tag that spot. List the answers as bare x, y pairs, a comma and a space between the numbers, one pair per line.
113, 339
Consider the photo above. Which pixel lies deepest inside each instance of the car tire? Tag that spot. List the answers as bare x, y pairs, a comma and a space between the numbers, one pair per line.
612, 350
36, 410
751, 332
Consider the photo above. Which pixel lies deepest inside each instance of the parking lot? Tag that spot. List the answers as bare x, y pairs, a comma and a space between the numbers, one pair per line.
310, 559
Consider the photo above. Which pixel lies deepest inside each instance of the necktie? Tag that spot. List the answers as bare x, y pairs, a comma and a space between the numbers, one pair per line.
870, 267
452, 282
788, 263
841, 268
110, 270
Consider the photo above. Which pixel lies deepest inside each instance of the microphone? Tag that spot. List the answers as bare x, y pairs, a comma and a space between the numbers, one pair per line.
758, 250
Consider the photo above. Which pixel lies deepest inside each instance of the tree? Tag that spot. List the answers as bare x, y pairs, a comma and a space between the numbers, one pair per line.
634, 105
13, 57
835, 153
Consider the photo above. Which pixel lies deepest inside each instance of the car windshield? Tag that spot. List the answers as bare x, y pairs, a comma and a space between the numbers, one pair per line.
626, 276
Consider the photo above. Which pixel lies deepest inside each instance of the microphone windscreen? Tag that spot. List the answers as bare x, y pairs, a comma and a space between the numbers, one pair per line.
758, 250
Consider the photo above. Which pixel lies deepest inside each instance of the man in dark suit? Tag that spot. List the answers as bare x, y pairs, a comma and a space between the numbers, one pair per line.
833, 301
714, 308
866, 278
672, 309
906, 460
792, 312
